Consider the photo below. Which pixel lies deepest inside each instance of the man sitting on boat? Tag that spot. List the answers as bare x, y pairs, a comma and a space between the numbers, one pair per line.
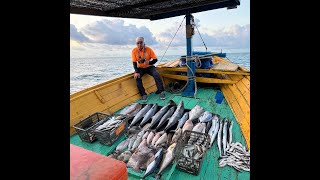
143, 59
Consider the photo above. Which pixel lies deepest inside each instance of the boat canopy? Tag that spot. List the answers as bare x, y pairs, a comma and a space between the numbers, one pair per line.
147, 9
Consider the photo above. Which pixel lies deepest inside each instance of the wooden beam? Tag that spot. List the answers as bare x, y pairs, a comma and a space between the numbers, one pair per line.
199, 79
184, 69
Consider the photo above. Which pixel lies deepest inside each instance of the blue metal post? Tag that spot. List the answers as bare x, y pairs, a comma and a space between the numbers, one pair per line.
189, 91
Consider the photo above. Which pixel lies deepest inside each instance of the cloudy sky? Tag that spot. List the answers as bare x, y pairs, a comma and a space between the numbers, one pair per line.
96, 36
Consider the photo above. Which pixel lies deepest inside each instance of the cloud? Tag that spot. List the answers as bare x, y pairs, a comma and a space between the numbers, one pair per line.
114, 32
235, 36
76, 35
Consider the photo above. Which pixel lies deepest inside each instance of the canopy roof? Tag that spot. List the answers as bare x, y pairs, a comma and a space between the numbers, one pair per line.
147, 9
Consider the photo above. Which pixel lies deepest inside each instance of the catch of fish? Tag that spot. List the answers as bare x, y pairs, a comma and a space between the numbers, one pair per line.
155, 132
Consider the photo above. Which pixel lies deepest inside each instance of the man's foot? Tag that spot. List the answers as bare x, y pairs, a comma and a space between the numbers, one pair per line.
158, 92
144, 98
162, 95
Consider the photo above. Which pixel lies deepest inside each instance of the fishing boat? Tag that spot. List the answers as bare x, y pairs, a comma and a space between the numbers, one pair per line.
222, 89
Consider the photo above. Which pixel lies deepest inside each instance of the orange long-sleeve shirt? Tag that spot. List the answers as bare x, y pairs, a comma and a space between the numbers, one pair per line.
149, 55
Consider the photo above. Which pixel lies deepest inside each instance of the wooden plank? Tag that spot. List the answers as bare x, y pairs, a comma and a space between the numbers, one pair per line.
244, 91
240, 99
244, 69
170, 63
199, 79
225, 67
175, 64
100, 97
212, 71
240, 117
246, 82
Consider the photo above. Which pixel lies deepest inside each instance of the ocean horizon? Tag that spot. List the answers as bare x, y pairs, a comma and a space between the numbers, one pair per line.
89, 71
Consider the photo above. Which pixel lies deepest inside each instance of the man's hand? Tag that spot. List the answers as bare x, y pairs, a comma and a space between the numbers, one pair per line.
136, 75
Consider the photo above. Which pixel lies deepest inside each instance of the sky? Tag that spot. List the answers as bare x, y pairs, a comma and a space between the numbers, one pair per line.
221, 29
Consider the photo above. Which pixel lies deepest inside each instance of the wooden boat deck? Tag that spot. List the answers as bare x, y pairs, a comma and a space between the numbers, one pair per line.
210, 169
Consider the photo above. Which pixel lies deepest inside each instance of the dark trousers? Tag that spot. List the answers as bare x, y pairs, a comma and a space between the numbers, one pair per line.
152, 71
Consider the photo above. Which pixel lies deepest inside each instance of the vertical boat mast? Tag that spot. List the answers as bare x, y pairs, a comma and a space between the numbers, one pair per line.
190, 89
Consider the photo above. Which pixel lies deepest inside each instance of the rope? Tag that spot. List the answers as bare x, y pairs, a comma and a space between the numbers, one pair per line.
201, 36
172, 39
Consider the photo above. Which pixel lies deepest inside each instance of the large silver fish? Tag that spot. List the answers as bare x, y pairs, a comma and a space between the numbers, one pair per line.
205, 117
214, 130
128, 110
140, 114
165, 118
156, 118
176, 116
167, 159
183, 120
154, 164
219, 138
195, 113
149, 114
224, 137
200, 127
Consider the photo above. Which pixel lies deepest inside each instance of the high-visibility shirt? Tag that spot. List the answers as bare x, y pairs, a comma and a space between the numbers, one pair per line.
149, 55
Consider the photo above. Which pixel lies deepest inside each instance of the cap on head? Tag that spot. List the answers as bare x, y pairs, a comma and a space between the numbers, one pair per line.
140, 39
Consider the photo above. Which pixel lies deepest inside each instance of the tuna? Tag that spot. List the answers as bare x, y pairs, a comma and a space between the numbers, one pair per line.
149, 114
140, 114
175, 117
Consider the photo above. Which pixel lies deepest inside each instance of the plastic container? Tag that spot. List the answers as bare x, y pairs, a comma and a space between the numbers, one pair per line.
109, 137
188, 163
85, 127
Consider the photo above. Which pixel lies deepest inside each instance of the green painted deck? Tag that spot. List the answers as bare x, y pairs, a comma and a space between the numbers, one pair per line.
209, 170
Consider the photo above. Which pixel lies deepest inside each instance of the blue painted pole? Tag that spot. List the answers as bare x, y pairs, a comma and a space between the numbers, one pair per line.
189, 91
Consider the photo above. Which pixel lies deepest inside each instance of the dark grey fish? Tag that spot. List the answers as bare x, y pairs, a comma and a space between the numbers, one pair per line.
176, 116
165, 117
183, 120
154, 164
156, 118
140, 114
149, 114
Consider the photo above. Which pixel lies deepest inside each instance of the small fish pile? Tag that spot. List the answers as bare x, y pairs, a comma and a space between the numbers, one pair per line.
192, 149
236, 156
111, 124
